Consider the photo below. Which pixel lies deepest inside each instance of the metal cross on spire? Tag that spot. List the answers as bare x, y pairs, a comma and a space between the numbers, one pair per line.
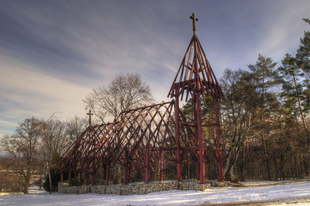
194, 22
89, 114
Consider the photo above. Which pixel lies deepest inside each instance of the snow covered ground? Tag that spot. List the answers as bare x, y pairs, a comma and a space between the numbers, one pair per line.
293, 192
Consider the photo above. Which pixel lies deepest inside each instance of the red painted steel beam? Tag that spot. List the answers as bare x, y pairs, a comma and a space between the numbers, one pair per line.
177, 139
146, 167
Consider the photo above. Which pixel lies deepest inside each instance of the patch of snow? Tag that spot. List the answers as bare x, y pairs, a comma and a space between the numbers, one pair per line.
34, 187
298, 190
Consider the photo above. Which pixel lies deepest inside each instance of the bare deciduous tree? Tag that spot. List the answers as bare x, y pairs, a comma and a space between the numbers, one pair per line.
22, 149
54, 142
32, 149
75, 127
124, 92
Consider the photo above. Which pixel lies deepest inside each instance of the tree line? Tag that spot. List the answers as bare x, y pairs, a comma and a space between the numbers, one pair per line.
264, 114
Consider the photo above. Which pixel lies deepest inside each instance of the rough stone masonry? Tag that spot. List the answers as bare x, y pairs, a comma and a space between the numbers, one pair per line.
134, 188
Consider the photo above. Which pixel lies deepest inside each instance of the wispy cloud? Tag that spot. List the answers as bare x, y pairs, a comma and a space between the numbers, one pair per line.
27, 92
283, 32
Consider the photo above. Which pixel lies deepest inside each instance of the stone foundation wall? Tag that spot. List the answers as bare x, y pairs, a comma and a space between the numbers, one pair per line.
133, 188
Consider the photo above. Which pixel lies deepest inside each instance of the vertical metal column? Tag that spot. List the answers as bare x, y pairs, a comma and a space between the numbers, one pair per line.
108, 166
80, 174
202, 170
161, 164
130, 173
177, 139
146, 162
107, 174
94, 172
81, 179
196, 140
61, 175
62, 171
125, 167
125, 175
70, 179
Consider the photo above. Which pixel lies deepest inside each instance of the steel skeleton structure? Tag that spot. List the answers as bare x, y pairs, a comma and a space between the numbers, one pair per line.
141, 138
138, 139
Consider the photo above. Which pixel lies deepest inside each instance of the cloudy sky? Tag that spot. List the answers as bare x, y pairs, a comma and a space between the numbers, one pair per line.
52, 53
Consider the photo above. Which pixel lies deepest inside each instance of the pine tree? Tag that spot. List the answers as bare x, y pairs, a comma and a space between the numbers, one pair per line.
294, 92
303, 53
264, 72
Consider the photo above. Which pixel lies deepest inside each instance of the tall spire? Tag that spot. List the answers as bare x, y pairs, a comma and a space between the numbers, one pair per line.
195, 79
195, 73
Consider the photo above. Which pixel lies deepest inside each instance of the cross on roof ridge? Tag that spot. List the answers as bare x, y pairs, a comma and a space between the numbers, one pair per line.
89, 114
194, 22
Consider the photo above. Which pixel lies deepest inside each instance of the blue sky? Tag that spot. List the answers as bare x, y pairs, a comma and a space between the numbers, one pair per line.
52, 53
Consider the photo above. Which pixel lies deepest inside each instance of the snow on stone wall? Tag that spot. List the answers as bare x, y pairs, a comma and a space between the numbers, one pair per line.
133, 188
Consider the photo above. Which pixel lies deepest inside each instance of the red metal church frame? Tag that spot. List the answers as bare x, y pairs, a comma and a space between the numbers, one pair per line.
147, 136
